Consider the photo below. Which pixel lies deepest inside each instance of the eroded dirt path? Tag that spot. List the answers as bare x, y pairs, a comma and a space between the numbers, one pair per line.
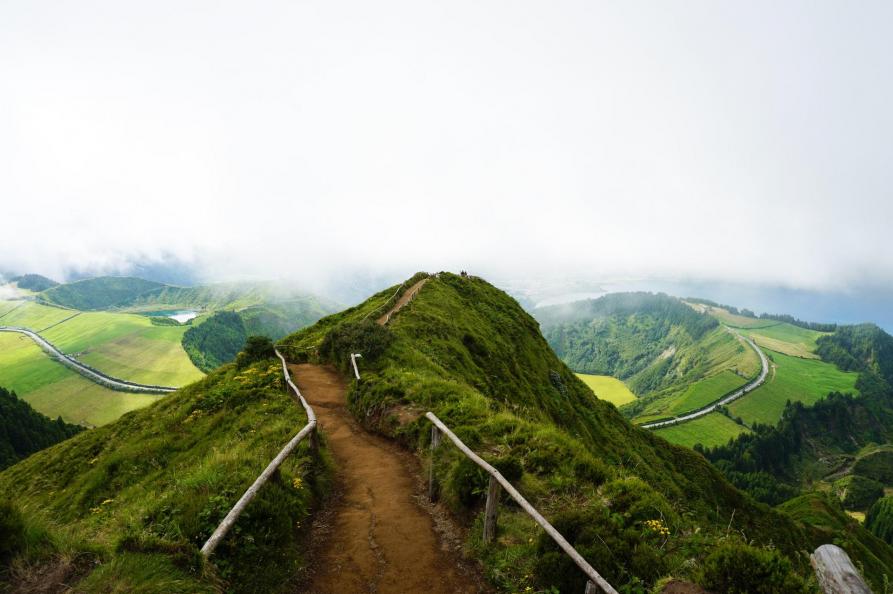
380, 540
405, 298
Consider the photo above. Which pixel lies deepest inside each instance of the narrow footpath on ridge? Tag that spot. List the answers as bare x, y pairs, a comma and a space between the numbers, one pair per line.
378, 535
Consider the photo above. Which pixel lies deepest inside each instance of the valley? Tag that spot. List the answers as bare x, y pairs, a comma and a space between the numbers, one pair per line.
459, 347
117, 343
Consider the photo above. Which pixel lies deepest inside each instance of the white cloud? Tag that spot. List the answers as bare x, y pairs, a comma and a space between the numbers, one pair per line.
307, 140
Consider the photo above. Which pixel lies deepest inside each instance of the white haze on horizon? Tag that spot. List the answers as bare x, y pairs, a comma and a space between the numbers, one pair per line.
310, 140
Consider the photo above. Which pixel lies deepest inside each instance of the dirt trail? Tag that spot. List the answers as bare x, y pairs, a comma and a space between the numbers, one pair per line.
407, 296
381, 540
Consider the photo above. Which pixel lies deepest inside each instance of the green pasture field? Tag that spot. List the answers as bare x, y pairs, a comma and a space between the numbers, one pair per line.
735, 321
702, 393
608, 388
33, 316
125, 346
787, 339
794, 379
710, 430
55, 390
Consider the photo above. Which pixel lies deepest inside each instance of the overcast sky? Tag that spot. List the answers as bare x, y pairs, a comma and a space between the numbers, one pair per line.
748, 141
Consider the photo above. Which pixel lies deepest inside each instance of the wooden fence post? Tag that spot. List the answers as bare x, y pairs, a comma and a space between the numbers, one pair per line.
432, 482
491, 509
835, 571
314, 442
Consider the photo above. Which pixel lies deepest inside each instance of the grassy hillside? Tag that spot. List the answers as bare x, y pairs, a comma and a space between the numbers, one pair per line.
468, 352
215, 341
672, 357
100, 293
24, 431
55, 390
124, 508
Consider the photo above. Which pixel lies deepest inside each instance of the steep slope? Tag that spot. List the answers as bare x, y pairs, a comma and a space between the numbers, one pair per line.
24, 431
672, 357
124, 508
469, 353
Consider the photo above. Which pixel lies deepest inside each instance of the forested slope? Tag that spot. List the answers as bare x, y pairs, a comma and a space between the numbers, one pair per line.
24, 431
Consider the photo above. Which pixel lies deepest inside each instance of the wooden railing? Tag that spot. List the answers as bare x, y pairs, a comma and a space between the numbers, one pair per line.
596, 582
309, 429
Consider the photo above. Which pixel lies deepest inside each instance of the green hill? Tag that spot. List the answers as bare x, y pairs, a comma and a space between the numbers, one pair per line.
99, 293
672, 357
215, 341
24, 431
468, 352
34, 282
124, 508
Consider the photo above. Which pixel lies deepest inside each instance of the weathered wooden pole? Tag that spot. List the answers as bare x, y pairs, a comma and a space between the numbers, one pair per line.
835, 571
592, 588
491, 510
432, 481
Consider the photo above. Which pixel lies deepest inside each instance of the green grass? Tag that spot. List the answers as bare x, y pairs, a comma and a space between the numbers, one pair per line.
608, 388
55, 390
714, 366
33, 315
794, 379
470, 354
710, 430
126, 346
787, 339
143, 493
736, 321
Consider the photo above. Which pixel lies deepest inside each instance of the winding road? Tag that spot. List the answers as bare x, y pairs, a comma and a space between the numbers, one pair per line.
88, 372
750, 387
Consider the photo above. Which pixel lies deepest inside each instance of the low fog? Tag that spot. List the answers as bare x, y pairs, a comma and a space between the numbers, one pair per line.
313, 141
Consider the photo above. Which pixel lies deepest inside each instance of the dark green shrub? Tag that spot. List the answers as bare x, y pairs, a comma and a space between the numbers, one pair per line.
366, 338
12, 530
257, 348
509, 467
879, 519
742, 569
618, 549
468, 482
591, 470
877, 465
858, 492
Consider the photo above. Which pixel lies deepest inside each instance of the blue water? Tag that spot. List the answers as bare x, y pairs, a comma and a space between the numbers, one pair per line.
181, 315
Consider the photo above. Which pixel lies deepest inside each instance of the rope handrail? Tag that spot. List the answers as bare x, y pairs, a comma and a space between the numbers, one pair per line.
309, 429
591, 573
